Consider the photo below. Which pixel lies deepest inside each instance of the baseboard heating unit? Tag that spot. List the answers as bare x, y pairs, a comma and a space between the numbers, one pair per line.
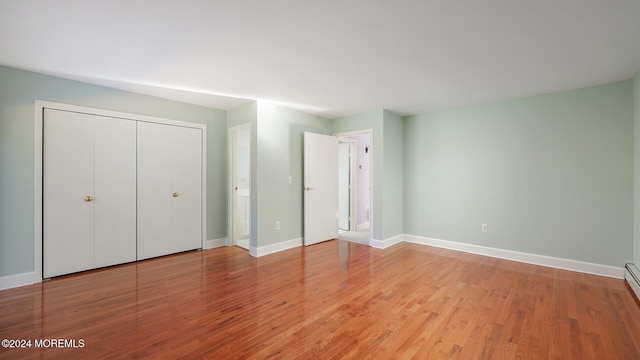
632, 275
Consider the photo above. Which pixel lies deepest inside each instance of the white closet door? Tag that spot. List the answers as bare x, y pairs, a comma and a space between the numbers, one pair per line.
115, 189
154, 190
186, 146
68, 170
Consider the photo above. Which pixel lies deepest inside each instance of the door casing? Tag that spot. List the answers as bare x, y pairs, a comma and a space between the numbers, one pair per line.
232, 141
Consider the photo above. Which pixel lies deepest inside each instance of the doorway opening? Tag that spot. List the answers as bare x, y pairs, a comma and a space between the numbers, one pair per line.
354, 174
240, 182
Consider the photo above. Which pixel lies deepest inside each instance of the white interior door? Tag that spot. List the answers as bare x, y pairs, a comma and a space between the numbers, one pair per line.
320, 188
115, 189
68, 212
186, 148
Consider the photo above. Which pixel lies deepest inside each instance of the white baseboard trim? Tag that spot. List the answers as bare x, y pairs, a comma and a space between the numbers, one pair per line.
17, 280
383, 244
274, 248
632, 276
542, 260
210, 244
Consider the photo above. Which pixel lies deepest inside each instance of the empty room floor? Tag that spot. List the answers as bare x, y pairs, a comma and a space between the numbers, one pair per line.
336, 299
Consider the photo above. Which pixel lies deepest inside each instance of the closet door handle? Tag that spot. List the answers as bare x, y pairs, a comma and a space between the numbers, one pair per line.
175, 194
89, 198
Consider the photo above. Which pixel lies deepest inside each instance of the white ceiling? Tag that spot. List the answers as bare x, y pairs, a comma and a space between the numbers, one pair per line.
327, 57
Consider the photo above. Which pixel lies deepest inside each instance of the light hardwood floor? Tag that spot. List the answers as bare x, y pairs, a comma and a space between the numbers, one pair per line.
334, 300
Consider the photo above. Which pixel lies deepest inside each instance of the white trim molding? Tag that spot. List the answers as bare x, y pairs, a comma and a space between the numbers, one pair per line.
383, 244
542, 260
274, 248
231, 150
17, 280
632, 276
215, 243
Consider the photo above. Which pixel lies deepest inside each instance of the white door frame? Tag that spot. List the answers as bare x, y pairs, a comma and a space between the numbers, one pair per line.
231, 197
371, 180
39, 107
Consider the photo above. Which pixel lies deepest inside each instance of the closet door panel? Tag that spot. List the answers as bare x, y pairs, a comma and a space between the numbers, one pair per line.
115, 189
187, 183
154, 190
68, 171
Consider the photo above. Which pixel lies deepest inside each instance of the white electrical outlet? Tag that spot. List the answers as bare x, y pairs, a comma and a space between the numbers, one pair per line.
290, 179
485, 228
277, 225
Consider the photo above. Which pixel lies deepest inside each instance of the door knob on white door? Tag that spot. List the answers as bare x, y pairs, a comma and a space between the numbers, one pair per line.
308, 188
175, 194
88, 198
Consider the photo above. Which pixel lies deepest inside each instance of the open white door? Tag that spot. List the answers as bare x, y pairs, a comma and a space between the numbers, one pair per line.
320, 188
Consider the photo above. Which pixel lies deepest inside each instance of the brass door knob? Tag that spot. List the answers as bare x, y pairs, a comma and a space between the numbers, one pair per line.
88, 198
175, 194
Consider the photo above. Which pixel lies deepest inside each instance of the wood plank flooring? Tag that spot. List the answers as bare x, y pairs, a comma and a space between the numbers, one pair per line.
334, 300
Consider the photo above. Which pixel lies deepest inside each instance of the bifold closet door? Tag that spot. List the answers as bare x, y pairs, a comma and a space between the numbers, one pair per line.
89, 197
115, 188
187, 183
169, 189
68, 173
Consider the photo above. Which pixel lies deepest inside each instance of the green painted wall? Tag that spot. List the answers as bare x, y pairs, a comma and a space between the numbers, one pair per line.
279, 155
550, 174
18, 92
243, 114
636, 170
393, 176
